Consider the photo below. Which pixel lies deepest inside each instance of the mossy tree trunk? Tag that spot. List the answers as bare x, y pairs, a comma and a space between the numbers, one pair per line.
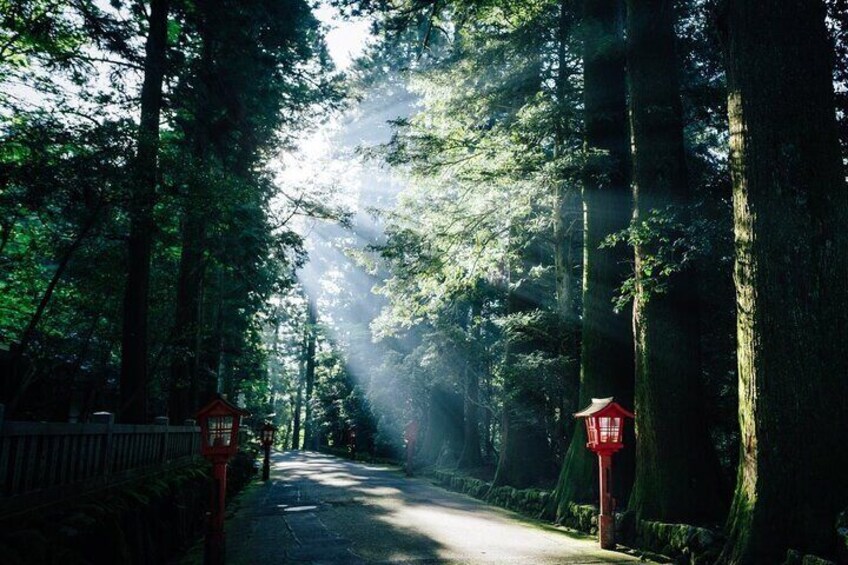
678, 478
790, 215
606, 366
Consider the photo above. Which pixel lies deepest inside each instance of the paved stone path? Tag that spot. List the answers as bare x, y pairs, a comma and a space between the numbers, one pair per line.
318, 509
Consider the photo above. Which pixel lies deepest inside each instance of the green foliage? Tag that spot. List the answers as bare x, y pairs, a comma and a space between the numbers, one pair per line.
673, 244
67, 142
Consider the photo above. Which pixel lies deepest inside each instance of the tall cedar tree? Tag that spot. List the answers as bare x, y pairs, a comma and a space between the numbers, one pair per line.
185, 386
134, 342
607, 345
566, 228
298, 404
470, 456
790, 207
678, 478
310, 438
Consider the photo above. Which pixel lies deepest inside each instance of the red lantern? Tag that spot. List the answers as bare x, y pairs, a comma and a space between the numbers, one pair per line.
267, 434
604, 425
605, 431
219, 426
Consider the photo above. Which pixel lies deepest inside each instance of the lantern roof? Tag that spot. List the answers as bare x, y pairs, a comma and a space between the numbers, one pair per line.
221, 407
603, 407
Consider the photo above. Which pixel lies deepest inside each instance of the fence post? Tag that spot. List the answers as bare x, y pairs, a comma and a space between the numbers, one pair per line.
163, 421
109, 419
195, 444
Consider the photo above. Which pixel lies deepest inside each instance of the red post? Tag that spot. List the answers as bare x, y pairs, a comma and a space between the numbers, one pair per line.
604, 429
606, 519
266, 464
219, 426
215, 543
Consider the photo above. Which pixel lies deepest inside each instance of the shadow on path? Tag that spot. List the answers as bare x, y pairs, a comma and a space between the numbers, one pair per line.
318, 509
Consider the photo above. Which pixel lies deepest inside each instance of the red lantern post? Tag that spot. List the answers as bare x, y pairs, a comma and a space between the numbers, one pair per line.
219, 426
267, 435
604, 430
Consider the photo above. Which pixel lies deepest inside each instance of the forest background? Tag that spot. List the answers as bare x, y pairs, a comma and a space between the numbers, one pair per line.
521, 205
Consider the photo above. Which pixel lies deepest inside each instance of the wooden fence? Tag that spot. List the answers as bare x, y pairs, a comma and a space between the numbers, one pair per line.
46, 462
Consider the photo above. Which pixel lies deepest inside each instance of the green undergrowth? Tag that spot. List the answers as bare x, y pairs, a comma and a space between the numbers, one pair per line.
142, 522
529, 502
683, 543
678, 543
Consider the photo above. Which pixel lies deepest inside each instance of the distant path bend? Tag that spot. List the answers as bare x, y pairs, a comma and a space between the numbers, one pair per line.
318, 509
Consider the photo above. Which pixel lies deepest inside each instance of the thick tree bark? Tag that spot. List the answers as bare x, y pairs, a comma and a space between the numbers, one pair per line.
790, 207
134, 343
678, 478
606, 366
308, 430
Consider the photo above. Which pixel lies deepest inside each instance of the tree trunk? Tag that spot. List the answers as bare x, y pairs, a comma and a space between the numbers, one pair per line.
287, 439
790, 208
470, 457
309, 431
678, 478
606, 361
134, 345
297, 408
185, 385
525, 458
184, 395
444, 432
566, 228
488, 419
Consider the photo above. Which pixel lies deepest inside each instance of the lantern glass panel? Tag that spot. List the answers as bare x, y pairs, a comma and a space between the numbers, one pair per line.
592, 431
220, 431
610, 430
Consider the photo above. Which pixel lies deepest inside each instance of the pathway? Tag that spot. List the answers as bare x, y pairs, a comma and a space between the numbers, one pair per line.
319, 509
